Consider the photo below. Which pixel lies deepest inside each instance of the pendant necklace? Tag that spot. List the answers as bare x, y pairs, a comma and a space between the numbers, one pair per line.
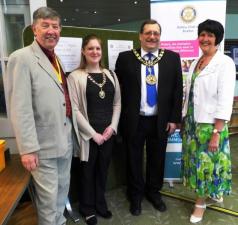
101, 93
201, 64
204, 61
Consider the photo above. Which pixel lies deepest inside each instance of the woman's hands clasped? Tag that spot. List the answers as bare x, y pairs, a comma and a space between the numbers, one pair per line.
108, 132
98, 138
101, 138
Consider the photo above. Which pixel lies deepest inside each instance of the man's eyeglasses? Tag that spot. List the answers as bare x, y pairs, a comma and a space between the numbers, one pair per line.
150, 33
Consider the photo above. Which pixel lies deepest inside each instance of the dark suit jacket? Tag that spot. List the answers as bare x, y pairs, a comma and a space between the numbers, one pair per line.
170, 91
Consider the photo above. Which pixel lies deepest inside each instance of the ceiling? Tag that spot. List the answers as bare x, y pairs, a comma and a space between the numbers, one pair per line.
102, 13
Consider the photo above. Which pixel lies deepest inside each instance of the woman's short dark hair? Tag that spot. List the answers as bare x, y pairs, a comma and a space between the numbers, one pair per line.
86, 40
214, 27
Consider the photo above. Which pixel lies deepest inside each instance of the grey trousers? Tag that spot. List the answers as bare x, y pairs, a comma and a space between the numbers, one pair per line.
51, 183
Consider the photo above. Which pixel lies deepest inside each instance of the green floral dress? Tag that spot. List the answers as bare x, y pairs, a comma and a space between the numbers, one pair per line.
208, 173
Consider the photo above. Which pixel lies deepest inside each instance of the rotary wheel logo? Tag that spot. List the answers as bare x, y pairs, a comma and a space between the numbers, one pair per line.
188, 14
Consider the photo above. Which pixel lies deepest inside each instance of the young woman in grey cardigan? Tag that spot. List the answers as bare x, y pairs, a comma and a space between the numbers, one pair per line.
97, 102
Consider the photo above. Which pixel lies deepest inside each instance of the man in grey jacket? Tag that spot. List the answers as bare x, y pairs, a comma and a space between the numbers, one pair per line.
39, 106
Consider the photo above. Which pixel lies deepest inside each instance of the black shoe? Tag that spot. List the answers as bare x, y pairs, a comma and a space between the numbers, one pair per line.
91, 220
135, 208
157, 202
106, 215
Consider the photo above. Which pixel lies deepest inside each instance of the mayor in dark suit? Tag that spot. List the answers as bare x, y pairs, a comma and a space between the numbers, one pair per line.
151, 88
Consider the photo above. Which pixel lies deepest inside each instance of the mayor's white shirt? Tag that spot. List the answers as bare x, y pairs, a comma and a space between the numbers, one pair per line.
145, 109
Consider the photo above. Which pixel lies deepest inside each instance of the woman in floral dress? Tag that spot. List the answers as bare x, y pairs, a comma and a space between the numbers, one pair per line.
206, 162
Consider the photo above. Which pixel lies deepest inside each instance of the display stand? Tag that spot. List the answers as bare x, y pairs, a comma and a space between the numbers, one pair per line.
173, 159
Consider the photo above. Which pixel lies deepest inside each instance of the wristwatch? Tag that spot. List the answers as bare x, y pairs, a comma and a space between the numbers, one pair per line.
215, 131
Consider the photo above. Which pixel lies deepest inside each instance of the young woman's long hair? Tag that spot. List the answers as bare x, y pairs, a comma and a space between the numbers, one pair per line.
83, 62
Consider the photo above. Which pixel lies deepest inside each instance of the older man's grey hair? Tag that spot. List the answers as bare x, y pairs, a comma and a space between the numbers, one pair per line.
46, 13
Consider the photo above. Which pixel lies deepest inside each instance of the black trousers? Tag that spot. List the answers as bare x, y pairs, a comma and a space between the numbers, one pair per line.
93, 177
155, 158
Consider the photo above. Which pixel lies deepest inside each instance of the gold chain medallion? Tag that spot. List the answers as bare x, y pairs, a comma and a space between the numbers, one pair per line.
151, 79
149, 62
101, 93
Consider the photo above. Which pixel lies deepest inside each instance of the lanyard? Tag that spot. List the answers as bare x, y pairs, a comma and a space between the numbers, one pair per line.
58, 73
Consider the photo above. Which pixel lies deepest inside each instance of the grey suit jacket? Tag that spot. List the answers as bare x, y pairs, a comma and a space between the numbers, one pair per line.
36, 104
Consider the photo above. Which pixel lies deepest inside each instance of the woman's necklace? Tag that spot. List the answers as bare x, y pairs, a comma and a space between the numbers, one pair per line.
204, 61
101, 93
201, 64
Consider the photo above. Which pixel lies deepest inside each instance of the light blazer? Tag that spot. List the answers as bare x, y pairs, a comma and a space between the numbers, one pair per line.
213, 89
36, 104
78, 83
128, 70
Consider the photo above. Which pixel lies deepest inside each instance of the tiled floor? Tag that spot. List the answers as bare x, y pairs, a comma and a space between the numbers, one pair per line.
177, 214
178, 211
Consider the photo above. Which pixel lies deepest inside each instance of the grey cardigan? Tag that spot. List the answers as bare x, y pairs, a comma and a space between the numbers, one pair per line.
78, 83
